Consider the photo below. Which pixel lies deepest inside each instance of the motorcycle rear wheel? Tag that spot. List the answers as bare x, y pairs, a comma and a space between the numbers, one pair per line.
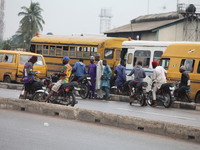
168, 100
150, 100
39, 96
185, 98
142, 100
71, 99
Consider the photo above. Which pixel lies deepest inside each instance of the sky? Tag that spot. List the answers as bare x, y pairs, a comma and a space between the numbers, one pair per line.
66, 17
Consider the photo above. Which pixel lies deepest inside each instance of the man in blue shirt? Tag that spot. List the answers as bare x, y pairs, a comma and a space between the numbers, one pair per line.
120, 73
79, 69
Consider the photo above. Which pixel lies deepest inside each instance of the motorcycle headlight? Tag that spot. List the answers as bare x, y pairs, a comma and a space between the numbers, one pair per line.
172, 88
88, 78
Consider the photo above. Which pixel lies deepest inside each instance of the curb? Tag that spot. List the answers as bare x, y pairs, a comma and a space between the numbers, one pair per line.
174, 130
180, 105
11, 86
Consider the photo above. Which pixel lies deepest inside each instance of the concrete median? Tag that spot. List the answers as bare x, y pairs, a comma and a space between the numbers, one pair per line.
134, 123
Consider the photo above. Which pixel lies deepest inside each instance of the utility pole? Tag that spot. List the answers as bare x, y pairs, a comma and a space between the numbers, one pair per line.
1, 19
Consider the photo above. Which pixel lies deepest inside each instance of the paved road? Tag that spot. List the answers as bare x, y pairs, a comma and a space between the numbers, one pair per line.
186, 117
26, 131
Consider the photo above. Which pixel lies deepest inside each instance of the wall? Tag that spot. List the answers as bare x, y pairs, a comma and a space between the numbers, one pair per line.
171, 33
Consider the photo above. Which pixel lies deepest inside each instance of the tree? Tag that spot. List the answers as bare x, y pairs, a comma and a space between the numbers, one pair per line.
30, 23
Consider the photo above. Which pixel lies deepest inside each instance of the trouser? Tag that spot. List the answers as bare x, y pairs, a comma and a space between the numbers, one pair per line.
155, 88
99, 93
107, 91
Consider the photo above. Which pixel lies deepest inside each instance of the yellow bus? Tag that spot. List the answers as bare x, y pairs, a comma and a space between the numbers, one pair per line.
187, 54
53, 48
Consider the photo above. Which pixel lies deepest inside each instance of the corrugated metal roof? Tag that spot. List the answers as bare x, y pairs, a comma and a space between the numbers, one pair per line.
148, 23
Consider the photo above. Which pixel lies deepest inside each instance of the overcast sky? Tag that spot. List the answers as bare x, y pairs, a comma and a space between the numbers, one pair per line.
65, 17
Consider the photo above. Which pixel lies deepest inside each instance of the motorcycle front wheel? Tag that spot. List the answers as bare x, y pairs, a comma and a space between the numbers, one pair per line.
167, 100
150, 100
84, 92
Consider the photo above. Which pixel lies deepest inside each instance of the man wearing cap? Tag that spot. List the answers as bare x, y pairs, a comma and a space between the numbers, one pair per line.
159, 76
67, 69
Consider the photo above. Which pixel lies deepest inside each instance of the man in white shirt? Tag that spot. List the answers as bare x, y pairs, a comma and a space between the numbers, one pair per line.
159, 76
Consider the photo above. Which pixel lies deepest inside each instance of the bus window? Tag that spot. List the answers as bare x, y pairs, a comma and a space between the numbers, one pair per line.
1, 57
118, 54
144, 56
8, 58
65, 50
165, 63
39, 49
32, 48
130, 58
86, 52
123, 54
93, 51
52, 50
72, 51
157, 55
198, 69
79, 51
58, 50
46, 50
189, 64
109, 53
25, 58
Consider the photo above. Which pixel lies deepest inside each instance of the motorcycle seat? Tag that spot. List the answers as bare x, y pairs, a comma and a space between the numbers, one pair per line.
68, 85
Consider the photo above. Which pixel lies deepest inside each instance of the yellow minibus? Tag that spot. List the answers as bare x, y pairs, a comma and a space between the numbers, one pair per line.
12, 63
187, 54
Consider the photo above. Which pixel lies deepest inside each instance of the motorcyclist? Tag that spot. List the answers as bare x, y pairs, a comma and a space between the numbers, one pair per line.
28, 75
139, 74
159, 76
56, 86
67, 69
185, 82
79, 69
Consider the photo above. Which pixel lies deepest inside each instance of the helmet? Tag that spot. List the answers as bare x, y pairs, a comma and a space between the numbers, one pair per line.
66, 58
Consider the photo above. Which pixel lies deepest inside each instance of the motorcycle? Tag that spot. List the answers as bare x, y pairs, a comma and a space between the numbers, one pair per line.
122, 90
164, 95
138, 92
184, 96
83, 86
36, 85
64, 96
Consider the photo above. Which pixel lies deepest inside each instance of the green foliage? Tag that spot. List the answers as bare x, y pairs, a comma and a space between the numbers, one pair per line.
30, 24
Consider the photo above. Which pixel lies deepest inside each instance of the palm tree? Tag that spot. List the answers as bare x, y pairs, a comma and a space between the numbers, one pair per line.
31, 22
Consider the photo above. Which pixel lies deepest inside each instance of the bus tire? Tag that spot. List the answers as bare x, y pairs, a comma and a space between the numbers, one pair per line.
7, 79
197, 99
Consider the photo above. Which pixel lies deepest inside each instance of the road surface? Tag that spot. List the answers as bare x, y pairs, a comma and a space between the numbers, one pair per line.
26, 131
